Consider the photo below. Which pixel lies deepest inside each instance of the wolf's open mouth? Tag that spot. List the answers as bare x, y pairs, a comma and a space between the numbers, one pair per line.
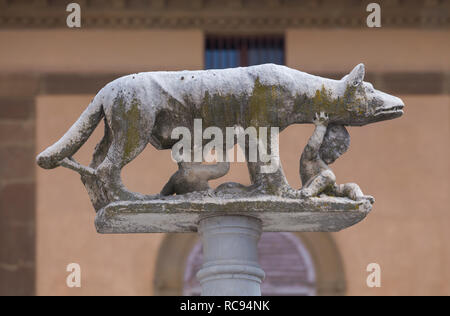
394, 109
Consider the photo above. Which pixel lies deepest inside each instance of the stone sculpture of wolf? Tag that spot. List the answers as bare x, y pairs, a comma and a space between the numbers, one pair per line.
144, 108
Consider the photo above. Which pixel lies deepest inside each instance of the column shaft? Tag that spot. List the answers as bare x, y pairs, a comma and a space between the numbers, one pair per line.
230, 266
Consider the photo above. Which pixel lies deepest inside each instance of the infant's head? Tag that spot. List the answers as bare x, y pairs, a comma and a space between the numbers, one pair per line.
335, 143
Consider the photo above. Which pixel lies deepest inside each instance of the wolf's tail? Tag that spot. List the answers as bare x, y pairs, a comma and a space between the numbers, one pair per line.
74, 138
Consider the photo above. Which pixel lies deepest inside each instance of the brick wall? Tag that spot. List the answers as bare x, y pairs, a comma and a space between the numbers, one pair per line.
17, 184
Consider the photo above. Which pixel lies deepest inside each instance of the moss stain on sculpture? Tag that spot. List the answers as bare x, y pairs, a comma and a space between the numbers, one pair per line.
339, 108
261, 107
258, 105
132, 138
257, 109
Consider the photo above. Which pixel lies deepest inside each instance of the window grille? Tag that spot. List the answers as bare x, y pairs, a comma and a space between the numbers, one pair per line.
240, 51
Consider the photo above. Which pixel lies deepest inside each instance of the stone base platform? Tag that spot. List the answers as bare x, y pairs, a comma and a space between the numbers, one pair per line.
324, 214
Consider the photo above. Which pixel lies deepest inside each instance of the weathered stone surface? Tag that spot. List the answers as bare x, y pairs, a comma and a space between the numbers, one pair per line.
325, 214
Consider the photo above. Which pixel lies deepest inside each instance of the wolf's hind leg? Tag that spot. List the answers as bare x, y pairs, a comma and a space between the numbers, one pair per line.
101, 150
109, 173
119, 153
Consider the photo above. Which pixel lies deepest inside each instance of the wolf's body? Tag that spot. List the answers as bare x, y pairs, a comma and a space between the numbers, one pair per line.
144, 108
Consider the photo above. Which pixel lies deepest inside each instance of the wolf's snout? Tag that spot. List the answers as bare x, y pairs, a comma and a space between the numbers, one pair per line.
389, 105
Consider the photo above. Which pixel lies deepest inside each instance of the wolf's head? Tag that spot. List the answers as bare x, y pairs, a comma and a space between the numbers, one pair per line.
363, 104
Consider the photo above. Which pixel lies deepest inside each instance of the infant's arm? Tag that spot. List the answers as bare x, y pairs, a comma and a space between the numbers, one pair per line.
311, 150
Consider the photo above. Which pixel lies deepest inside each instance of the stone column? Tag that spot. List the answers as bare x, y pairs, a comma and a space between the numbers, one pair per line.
230, 266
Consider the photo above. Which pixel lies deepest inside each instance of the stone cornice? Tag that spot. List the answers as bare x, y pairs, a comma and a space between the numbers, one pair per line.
223, 15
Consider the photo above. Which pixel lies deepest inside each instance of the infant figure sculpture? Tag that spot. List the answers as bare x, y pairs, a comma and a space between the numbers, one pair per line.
147, 107
326, 145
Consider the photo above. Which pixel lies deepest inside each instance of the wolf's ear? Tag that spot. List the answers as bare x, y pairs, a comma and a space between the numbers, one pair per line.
356, 76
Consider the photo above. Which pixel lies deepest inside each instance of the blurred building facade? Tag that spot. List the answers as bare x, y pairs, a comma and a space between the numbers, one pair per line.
49, 73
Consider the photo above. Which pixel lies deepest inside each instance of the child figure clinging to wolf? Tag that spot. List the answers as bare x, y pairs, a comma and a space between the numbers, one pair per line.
326, 145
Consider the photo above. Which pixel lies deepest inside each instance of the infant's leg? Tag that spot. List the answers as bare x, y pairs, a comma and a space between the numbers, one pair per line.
323, 181
352, 191
194, 177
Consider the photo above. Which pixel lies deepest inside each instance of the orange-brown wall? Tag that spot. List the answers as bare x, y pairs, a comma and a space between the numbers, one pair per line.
100, 51
403, 163
379, 49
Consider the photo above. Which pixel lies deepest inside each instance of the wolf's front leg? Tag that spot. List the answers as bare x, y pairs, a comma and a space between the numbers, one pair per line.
273, 182
268, 177
264, 166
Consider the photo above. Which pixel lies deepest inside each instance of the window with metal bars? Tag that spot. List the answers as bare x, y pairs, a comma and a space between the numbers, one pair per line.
240, 51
